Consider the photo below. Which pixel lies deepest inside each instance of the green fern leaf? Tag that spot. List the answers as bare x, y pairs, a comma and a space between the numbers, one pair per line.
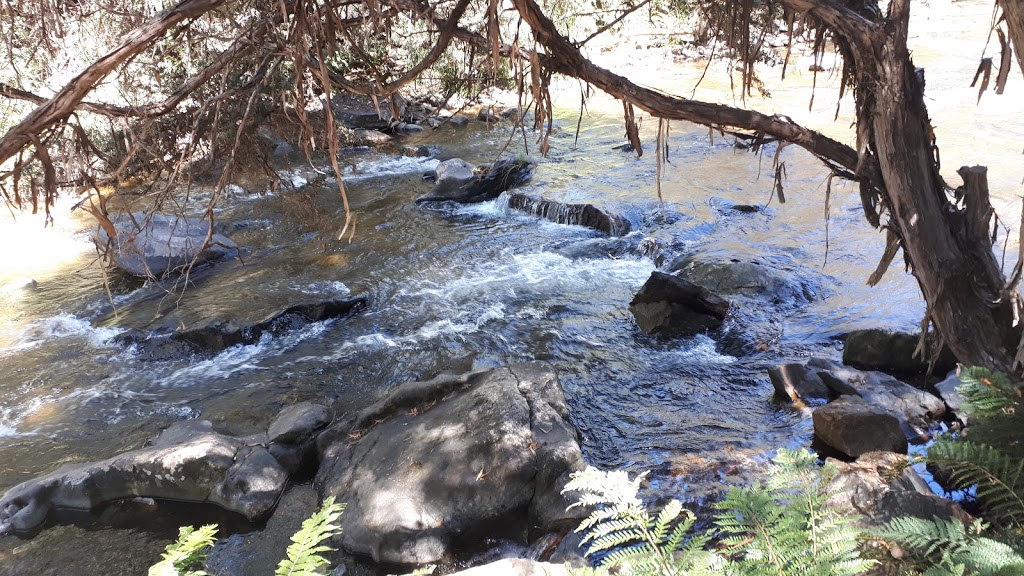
303, 555
184, 556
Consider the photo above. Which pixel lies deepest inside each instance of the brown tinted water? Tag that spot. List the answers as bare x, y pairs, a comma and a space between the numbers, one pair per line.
458, 286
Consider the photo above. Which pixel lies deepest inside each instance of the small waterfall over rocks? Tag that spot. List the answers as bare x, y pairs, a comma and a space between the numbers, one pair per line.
574, 214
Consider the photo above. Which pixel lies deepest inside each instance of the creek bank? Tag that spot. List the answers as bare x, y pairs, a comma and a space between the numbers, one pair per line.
211, 336
440, 462
153, 245
187, 462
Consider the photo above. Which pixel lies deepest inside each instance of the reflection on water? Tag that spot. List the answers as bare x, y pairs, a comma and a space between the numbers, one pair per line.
451, 287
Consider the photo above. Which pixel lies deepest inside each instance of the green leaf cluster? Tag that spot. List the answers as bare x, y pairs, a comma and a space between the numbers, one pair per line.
303, 555
950, 548
781, 528
186, 556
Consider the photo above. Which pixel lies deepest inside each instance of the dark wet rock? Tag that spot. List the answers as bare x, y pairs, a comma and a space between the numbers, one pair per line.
881, 486
890, 351
778, 279
917, 411
259, 552
406, 128
954, 400
574, 214
487, 114
210, 336
153, 245
799, 382
455, 184
459, 120
298, 421
746, 208
364, 137
188, 462
360, 112
672, 306
515, 567
437, 462
854, 427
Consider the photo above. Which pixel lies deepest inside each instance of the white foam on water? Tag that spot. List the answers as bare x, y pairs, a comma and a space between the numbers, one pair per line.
387, 167
326, 287
238, 359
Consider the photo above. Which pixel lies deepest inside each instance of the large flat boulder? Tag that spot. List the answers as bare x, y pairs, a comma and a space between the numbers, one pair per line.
673, 306
776, 278
854, 427
187, 462
148, 245
437, 462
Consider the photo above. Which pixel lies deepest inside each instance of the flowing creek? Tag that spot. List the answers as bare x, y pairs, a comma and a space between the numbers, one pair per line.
451, 288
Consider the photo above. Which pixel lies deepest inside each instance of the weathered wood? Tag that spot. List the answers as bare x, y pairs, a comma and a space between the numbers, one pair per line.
1013, 12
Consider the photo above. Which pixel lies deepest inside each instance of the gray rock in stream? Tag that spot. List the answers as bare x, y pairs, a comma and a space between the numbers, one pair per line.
917, 412
586, 215
893, 352
457, 181
156, 244
443, 461
187, 462
854, 427
672, 306
777, 278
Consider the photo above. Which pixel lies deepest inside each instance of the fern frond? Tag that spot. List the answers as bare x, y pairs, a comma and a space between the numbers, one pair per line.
988, 393
999, 478
303, 555
184, 556
952, 548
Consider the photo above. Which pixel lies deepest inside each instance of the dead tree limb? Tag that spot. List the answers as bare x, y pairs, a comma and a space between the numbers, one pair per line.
63, 103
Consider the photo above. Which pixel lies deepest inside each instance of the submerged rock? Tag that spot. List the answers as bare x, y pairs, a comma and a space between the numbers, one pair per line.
575, 214
150, 245
211, 336
889, 351
854, 427
437, 462
457, 182
777, 279
515, 567
672, 306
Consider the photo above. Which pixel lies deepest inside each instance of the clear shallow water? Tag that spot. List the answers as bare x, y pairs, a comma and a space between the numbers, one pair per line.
458, 287
449, 287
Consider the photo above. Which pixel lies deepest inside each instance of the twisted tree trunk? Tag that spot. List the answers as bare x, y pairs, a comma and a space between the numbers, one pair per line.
948, 247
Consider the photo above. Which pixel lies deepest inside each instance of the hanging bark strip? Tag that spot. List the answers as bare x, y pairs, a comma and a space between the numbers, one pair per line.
64, 102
